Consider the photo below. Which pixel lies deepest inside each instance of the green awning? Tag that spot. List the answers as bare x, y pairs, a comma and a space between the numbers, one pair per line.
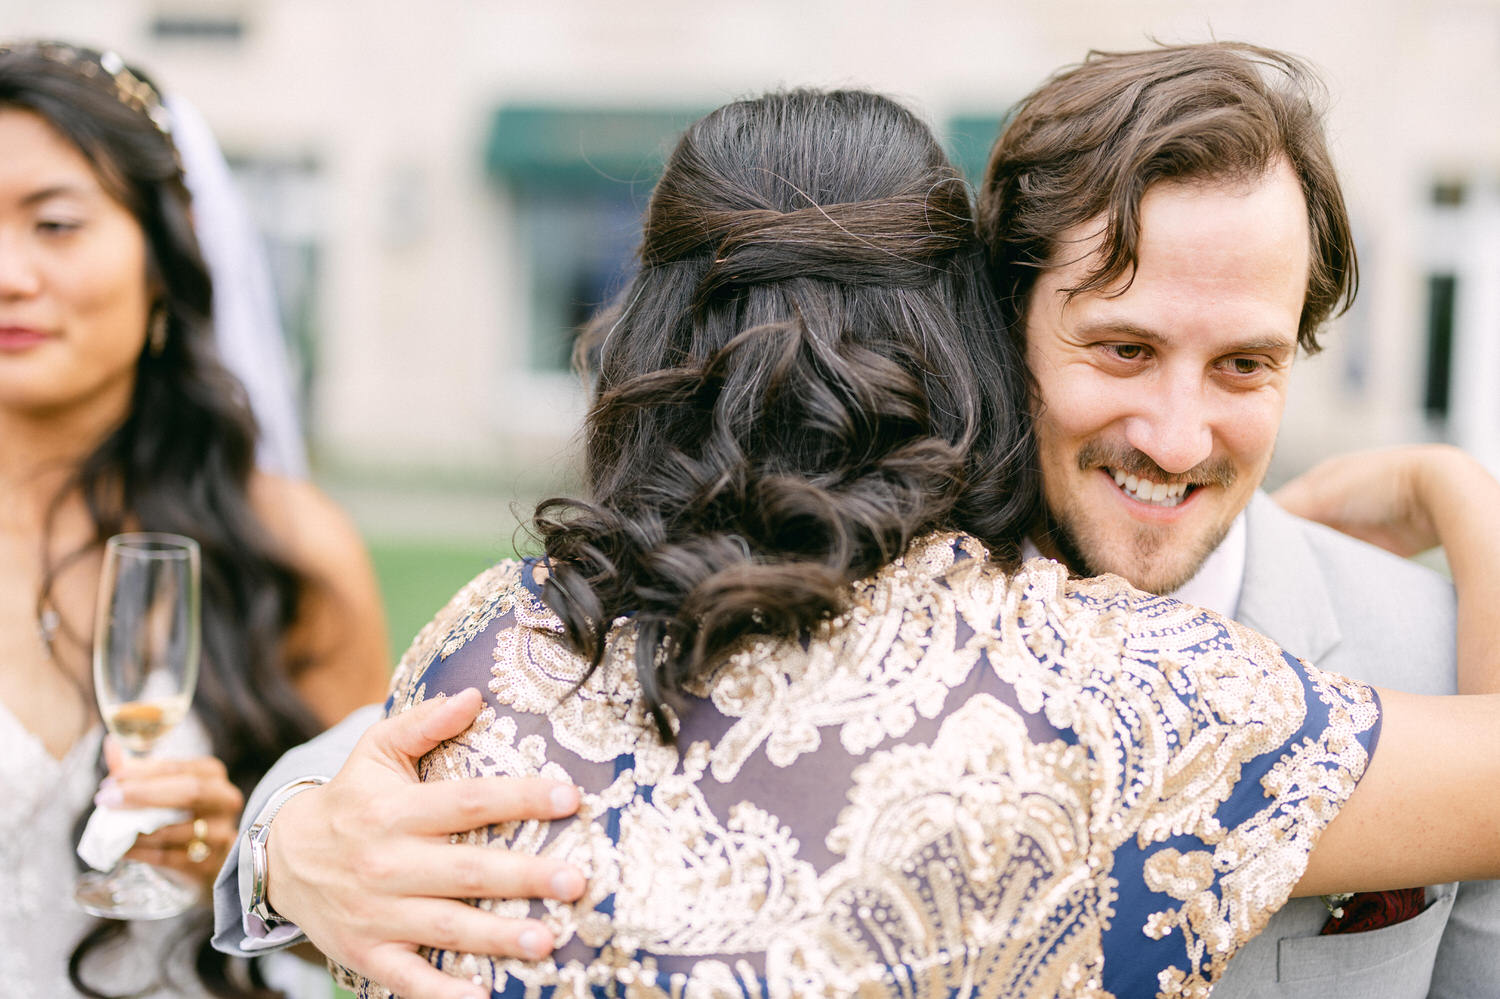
968, 139
574, 147
556, 146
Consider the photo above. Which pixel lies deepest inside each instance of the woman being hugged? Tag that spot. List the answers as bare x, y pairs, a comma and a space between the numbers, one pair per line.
830, 738
115, 415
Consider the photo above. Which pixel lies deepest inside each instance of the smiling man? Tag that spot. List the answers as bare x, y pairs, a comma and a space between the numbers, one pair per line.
1166, 232
1161, 394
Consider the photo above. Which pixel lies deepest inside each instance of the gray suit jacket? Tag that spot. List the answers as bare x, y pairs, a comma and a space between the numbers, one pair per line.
1353, 609
1341, 604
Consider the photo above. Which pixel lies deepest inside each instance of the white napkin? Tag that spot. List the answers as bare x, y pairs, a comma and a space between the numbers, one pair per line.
111, 831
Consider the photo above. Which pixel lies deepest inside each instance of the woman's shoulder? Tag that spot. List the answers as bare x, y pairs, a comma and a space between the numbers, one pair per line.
338, 639
500, 590
308, 527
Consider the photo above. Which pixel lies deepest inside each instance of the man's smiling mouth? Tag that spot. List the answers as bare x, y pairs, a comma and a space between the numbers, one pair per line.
1143, 490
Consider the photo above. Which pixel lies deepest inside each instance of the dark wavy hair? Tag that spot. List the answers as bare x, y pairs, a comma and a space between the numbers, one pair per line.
1090, 140
805, 373
182, 458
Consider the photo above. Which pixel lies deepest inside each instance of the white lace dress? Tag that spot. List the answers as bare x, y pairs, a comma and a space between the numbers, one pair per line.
39, 924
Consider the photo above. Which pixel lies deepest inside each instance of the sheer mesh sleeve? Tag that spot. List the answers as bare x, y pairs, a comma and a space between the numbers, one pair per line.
1015, 785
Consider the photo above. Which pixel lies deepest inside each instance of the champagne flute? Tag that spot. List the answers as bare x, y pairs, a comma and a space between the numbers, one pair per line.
146, 644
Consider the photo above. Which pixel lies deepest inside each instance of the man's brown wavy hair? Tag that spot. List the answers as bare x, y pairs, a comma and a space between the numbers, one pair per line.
1090, 141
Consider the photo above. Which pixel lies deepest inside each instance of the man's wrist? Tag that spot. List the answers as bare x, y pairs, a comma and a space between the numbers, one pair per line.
260, 917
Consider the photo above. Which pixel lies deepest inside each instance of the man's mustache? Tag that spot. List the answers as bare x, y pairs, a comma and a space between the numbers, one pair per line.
1097, 454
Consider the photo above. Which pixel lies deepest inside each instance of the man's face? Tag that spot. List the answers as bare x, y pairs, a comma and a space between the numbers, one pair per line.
1158, 403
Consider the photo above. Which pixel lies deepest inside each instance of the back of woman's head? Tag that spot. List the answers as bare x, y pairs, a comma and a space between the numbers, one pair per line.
804, 375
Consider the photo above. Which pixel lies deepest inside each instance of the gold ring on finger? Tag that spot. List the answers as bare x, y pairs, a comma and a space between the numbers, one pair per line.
197, 847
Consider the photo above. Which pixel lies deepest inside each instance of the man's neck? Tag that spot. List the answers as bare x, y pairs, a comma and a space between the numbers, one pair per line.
1217, 583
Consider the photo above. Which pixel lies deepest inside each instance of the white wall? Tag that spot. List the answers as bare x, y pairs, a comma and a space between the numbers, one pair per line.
423, 305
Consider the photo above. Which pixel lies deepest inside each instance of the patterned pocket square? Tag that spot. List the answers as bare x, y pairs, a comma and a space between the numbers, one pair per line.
1370, 910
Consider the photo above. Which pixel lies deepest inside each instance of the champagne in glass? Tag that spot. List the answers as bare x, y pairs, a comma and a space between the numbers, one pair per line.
146, 643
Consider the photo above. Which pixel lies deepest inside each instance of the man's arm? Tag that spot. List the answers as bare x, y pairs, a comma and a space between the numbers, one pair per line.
364, 866
321, 756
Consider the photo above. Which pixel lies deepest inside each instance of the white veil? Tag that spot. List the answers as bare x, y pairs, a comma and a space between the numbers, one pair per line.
246, 324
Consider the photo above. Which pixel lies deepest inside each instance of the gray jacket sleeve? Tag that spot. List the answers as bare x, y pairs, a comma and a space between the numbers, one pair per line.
322, 756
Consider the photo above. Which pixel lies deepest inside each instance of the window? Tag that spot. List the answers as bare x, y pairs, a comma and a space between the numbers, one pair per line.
1441, 295
579, 179
284, 195
969, 138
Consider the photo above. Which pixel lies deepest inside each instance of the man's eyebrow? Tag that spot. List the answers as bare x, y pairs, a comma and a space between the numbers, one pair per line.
1267, 343
1119, 327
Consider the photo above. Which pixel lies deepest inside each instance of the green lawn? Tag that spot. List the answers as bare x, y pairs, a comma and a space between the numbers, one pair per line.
417, 578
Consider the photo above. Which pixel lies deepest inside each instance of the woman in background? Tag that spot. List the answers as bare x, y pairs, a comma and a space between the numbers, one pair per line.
116, 415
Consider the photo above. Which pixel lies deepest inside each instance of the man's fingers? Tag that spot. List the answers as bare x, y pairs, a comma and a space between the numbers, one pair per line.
410, 977
452, 926
415, 733
446, 924
460, 805
445, 870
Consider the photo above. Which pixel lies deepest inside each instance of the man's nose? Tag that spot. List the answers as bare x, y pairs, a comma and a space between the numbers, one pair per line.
1174, 427
18, 274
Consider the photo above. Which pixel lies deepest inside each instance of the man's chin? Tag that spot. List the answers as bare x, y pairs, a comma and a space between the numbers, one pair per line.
1153, 570
1160, 579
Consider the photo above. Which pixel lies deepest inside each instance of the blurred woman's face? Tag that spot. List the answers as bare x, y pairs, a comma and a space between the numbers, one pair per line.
74, 296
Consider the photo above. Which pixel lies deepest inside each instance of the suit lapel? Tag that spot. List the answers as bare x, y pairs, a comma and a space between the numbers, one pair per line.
1284, 595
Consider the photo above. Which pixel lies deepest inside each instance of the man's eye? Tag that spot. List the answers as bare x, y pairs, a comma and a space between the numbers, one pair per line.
1245, 365
1128, 351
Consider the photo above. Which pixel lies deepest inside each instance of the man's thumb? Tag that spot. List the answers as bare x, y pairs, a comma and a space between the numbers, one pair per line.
415, 733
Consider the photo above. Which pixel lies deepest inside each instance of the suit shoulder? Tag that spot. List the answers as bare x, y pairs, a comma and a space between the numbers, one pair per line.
1349, 561
1348, 606
1347, 565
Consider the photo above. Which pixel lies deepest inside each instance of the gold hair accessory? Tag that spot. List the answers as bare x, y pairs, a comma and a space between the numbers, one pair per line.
129, 89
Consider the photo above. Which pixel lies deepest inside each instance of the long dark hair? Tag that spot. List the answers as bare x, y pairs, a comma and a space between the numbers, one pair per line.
805, 374
182, 459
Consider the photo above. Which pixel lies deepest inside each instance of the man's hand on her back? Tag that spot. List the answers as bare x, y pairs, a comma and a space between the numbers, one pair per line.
365, 867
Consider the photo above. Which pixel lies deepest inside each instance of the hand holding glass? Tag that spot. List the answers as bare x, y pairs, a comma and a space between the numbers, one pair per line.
146, 646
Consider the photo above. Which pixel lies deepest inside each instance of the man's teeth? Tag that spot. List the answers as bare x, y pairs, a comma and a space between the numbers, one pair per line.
1146, 491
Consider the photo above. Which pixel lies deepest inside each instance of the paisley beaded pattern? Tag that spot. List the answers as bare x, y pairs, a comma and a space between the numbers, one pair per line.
969, 782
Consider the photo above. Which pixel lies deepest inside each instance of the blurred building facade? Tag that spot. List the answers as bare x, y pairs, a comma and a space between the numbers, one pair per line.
449, 186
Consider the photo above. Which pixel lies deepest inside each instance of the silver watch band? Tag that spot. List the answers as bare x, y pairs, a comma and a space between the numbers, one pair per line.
257, 906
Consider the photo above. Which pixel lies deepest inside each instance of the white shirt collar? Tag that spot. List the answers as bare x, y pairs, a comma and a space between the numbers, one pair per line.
1218, 582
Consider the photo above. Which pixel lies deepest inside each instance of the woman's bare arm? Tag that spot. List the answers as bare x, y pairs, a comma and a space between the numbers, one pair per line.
337, 645
1428, 808
1410, 499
